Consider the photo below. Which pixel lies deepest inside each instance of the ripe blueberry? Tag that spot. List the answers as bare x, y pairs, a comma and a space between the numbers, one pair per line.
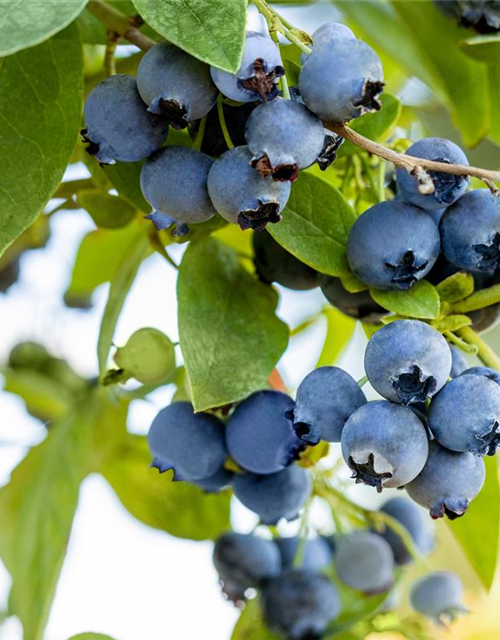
331, 31
316, 552
384, 444
174, 182
300, 604
465, 415
341, 79
118, 126
438, 596
283, 137
220, 480
481, 15
470, 232
175, 84
325, 399
364, 561
459, 363
358, 305
487, 372
259, 72
235, 117
448, 482
241, 195
407, 361
192, 444
448, 188
260, 436
275, 496
392, 245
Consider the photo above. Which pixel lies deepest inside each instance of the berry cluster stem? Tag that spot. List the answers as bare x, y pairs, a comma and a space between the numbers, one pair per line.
118, 23
223, 124
484, 352
478, 300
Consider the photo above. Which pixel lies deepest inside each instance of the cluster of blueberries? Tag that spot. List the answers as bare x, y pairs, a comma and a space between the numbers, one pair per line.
298, 579
128, 119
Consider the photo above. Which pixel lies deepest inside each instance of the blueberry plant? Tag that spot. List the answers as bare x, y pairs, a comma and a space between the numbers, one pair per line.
275, 157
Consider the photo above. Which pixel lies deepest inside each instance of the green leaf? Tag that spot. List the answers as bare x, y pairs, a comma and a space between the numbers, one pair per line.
353, 284
376, 126
482, 519
339, 330
126, 272
24, 24
494, 76
421, 301
211, 30
315, 226
125, 178
179, 508
40, 107
482, 48
90, 636
107, 211
250, 625
456, 287
354, 607
36, 510
451, 323
229, 334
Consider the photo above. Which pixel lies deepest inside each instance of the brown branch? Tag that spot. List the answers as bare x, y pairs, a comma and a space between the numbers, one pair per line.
415, 166
117, 22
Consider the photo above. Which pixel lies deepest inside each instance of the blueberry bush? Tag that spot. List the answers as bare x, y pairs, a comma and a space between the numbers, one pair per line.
359, 163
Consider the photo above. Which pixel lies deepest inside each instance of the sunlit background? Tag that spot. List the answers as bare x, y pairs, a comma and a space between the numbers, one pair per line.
120, 576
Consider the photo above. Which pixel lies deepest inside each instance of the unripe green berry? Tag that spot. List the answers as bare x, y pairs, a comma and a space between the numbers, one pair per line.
148, 356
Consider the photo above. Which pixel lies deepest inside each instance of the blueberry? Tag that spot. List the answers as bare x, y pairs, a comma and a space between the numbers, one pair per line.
316, 553
235, 117
328, 154
259, 435
470, 232
118, 126
487, 372
407, 361
300, 604
244, 561
384, 444
331, 31
448, 188
481, 15
258, 75
458, 362
175, 84
364, 561
273, 263
358, 305
325, 399
392, 245
218, 481
192, 444
174, 182
241, 195
465, 415
448, 482
408, 514
275, 496
283, 137
341, 79
438, 596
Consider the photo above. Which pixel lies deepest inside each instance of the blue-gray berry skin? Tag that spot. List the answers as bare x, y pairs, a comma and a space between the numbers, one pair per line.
392, 245
192, 444
259, 72
325, 399
448, 188
176, 85
384, 444
244, 561
438, 595
358, 305
242, 196
118, 125
407, 361
273, 263
174, 182
260, 436
414, 520
459, 362
220, 480
315, 553
275, 496
364, 561
331, 31
470, 232
465, 415
448, 482
487, 372
341, 79
300, 604
483, 15
283, 137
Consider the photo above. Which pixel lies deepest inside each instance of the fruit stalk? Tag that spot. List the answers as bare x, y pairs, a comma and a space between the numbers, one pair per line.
120, 24
484, 352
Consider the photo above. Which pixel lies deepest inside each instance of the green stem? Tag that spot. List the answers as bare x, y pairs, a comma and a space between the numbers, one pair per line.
109, 56
277, 23
484, 351
362, 381
461, 344
478, 300
198, 141
369, 172
381, 180
223, 125
119, 23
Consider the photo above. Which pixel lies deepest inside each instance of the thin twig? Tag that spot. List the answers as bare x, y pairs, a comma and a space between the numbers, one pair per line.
119, 23
109, 56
